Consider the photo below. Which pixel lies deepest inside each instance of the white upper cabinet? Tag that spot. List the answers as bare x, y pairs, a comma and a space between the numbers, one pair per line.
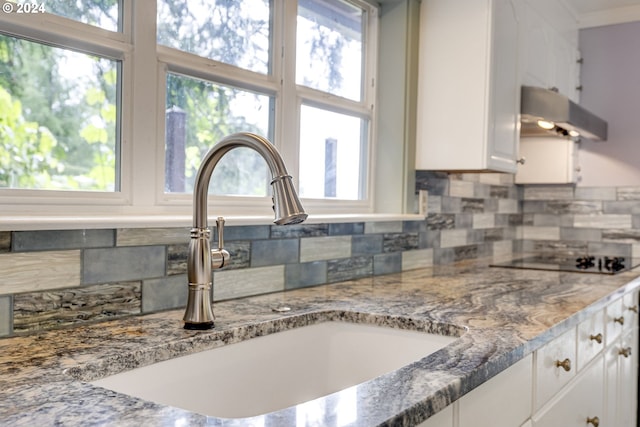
550, 52
548, 160
469, 85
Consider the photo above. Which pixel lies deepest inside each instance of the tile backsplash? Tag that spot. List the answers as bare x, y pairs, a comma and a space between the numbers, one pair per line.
581, 220
59, 278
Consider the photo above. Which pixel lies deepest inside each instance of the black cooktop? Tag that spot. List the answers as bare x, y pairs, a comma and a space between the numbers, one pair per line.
598, 264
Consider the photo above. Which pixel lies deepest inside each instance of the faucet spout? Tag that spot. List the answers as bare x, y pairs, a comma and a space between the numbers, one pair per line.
201, 259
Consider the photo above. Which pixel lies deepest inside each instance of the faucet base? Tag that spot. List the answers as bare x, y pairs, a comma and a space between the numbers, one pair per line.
198, 326
199, 313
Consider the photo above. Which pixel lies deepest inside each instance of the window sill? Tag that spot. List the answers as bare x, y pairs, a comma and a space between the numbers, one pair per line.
67, 222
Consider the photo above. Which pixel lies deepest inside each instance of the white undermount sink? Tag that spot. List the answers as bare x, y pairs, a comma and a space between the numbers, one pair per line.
275, 371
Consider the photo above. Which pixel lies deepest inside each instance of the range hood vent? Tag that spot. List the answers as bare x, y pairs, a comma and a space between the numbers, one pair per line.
565, 117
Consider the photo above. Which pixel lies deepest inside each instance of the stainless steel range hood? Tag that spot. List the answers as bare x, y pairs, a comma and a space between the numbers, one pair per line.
564, 117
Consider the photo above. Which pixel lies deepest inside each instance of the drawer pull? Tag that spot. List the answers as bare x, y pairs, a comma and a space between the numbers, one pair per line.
565, 364
596, 338
595, 421
633, 308
626, 352
619, 320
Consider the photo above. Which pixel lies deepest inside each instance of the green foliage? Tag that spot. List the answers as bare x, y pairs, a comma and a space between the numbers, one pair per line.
78, 114
26, 160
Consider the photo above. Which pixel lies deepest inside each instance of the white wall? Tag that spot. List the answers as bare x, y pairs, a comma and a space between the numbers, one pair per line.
611, 82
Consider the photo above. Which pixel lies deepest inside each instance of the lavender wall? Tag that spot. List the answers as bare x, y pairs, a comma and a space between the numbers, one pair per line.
611, 82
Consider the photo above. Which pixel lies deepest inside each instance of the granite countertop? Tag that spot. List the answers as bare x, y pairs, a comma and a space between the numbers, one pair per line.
505, 314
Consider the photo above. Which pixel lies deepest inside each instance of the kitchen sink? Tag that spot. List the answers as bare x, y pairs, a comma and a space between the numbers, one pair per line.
275, 371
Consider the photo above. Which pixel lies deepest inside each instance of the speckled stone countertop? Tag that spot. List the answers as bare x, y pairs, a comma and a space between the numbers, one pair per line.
504, 314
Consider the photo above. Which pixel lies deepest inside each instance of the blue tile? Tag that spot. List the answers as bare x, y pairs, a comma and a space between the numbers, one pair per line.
274, 252
243, 232
349, 268
414, 226
164, 293
73, 306
122, 264
387, 263
346, 228
366, 244
23, 241
305, 274
300, 230
394, 242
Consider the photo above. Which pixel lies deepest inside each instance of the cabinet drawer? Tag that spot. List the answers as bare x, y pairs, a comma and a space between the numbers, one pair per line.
590, 339
503, 401
630, 310
577, 403
554, 366
614, 321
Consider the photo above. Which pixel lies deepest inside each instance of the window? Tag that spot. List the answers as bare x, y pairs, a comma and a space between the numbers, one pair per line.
58, 118
233, 32
107, 113
329, 49
100, 13
199, 114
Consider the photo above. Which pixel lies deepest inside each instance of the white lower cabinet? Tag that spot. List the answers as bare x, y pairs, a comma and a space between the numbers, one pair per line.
621, 372
586, 377
577, 405
443, 418
503, 401
555, 366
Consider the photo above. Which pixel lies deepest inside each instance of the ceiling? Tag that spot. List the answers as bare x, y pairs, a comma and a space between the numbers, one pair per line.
593, 13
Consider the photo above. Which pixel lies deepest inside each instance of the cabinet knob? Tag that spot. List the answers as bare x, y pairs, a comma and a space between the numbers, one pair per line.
565, 364
521, 160
597, 338
619, 320
595, 421
633, 308
626, 352
579, 88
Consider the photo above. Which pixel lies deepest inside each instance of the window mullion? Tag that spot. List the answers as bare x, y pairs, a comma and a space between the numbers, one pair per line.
288, 113
143, 105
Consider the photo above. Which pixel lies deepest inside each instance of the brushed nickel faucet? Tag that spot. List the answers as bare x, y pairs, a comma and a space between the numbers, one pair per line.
201, 259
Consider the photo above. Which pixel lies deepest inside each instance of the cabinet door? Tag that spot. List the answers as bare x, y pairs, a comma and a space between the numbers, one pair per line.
614, 321
443, 418
468, 88
590, 339
621, 364
548, 160
505, 88
564, 66
555, 367
627, 379
580, 401
537, 45
503, 401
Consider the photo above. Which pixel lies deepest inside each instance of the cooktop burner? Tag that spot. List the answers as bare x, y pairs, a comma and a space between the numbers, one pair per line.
598, 264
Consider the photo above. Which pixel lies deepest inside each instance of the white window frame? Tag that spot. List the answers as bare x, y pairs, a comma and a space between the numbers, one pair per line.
141, 199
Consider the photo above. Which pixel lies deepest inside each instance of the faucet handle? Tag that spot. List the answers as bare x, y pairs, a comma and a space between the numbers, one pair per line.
220, 229
220, 256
